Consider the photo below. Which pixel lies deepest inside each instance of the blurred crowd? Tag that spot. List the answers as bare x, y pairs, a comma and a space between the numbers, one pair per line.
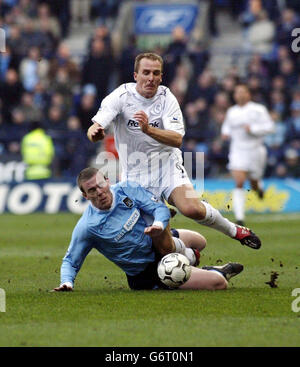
43, 85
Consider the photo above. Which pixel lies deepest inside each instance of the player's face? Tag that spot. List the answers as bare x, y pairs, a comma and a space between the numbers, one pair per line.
241, 95
97, 190
148, 77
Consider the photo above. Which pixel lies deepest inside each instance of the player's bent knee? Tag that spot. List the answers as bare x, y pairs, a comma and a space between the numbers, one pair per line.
220, 283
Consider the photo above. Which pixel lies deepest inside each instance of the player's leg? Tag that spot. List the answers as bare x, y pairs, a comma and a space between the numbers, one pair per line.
257, 186
257, 171
212, 277
185, 198
187, 202
165, 244
239, 195
192, 239
205, 279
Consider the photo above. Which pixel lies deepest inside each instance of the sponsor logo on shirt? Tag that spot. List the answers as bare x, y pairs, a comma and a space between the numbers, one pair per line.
131, 221
135, 125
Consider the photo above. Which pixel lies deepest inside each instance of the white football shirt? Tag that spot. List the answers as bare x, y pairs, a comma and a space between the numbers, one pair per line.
253, 114
135, 148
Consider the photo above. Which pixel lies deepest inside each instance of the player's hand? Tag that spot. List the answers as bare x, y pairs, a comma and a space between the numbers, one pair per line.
63, 288
142, 119
95, 133
153, 231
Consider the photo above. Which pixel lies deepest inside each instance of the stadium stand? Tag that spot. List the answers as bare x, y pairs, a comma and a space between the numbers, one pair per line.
63, 56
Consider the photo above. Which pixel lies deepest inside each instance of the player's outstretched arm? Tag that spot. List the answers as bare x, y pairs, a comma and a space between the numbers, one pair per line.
95, 133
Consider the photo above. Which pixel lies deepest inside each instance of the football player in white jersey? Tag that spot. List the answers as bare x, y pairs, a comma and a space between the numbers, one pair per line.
246, 123
148, 130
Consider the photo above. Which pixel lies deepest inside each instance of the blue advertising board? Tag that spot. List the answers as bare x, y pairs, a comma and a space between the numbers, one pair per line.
51, 196
163, 18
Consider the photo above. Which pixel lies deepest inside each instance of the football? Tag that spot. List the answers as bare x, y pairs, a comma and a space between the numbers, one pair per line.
174, 270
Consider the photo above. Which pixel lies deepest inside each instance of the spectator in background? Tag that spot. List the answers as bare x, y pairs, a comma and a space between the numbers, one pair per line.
38, 153
8, 60
205, 87
249, 13
29, 109
54, 122
101, 32
76, 149
64, 59
293, 130
62, 103
199, 58
261, 34
227, 85
278, 102
292, 163
126, 60
87, 107
61, 9
16, 42
288, 71
275, 143
180, 82
287, 22
44, 16
27, 8
40, 96
97, 68
10, 93
16, 129
63, 84
174, 53
290, 167
33, 69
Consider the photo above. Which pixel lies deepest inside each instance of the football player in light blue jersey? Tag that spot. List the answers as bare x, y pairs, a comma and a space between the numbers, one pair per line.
113, 223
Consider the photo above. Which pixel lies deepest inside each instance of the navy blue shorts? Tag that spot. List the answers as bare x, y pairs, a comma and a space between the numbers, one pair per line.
148, 278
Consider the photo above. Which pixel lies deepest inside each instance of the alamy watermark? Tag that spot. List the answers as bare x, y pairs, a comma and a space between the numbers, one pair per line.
2, 300
296, 303
2, 40
295, 46
157, 170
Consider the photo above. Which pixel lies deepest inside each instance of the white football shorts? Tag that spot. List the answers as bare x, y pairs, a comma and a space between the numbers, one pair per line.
162, 180
252, 161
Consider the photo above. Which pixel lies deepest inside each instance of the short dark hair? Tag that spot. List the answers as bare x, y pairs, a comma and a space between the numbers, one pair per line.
85, 175
243, 84
147, 55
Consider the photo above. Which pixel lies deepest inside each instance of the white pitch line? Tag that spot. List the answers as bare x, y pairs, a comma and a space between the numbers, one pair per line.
274, 217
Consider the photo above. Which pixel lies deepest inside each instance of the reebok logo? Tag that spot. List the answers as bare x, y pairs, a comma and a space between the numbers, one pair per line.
135, 124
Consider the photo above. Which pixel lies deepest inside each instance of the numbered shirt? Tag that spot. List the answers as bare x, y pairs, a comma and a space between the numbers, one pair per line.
134, 147
253, 114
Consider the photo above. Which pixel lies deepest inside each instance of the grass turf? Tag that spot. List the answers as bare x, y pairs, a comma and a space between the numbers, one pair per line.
103, 312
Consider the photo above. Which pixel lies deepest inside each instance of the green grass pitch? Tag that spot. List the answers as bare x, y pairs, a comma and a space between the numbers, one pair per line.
103, 312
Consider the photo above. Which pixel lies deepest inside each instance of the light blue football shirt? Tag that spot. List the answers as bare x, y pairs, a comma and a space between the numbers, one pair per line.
117, 233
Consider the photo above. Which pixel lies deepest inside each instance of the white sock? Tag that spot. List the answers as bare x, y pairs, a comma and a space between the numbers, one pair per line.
181, 249
215, 220
238, 201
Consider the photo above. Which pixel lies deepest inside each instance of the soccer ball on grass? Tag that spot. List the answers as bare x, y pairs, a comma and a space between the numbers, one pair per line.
174, 270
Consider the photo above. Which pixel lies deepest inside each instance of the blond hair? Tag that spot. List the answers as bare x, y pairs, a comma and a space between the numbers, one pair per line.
147, 55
